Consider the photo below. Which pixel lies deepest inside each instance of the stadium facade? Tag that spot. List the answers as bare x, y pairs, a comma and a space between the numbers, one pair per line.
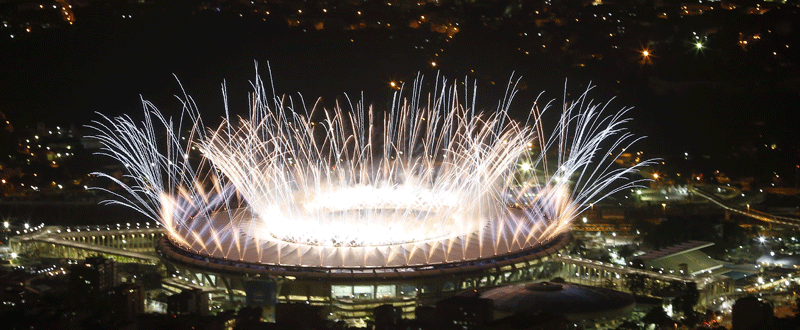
352, 293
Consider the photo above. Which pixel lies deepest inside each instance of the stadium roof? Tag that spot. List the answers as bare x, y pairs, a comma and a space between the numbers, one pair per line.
573, 300
675, 249
684, 257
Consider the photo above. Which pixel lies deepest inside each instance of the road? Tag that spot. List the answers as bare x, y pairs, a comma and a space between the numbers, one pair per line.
786, 221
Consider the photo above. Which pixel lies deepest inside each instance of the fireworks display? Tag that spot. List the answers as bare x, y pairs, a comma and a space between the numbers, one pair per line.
431, 180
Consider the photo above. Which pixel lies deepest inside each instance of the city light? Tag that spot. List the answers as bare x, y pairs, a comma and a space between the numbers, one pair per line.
411, 193
646, 57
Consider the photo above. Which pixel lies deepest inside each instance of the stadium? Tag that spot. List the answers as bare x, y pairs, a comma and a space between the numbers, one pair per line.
352, 208
352, 293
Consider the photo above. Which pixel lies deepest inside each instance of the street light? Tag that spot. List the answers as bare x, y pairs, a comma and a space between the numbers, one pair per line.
645, 57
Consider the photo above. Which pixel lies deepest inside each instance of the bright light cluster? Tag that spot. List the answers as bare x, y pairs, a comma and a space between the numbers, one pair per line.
429, 180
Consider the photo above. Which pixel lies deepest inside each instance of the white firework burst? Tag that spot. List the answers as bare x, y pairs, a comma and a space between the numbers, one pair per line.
430, 180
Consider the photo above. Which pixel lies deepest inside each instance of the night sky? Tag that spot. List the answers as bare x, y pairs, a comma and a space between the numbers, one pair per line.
64, 76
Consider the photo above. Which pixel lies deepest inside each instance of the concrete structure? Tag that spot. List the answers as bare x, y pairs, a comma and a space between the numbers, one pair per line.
745, 211
126, 301
192, 301
347, 293
122, 244
353, 292
684, 258
587, 306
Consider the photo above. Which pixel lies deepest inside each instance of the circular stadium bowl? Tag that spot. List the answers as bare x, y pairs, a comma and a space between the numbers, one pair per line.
497, 238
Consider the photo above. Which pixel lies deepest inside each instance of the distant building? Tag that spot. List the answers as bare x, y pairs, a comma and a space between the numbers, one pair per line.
587, 306
611, 213
89, 143
126, 301
684, 258
106, 269
89, 280
193, 301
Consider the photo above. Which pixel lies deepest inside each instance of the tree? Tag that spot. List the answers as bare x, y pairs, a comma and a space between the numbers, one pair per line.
686, 302
657, 316
579, 248
629, 325
636, 283
690, 298
626, 251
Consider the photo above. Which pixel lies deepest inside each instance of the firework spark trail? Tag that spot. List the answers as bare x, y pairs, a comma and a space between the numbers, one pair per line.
413, 182
436, 176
